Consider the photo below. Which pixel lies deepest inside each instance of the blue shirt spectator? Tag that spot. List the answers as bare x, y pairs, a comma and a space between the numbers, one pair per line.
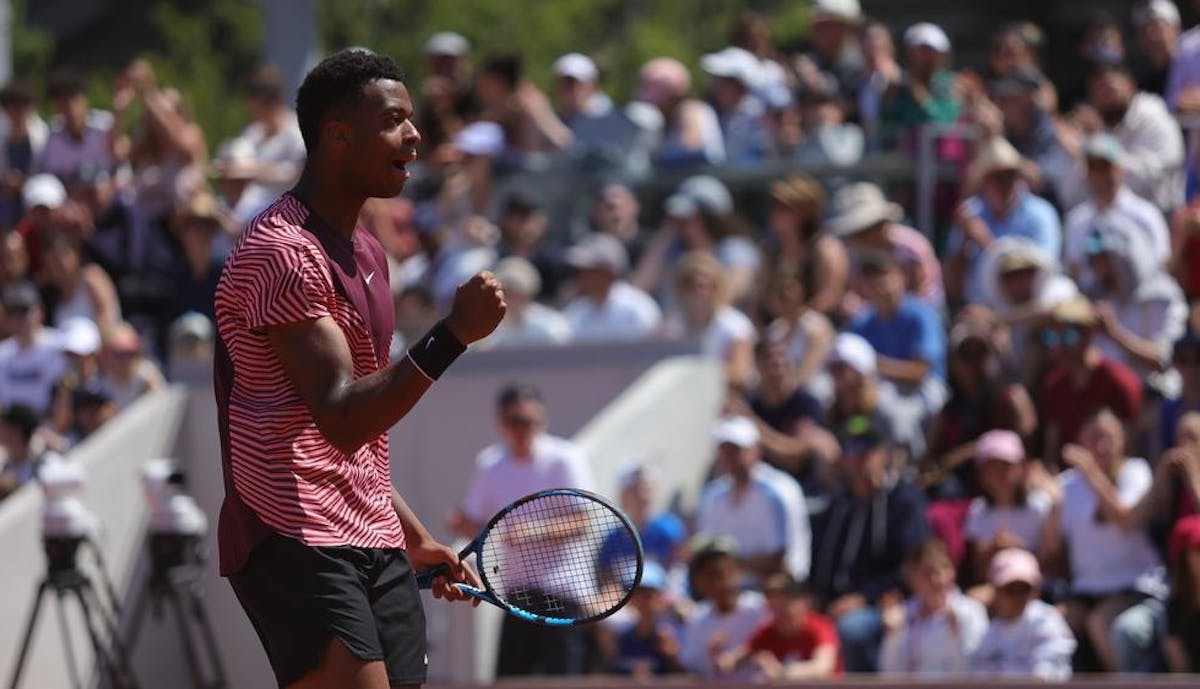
903, 329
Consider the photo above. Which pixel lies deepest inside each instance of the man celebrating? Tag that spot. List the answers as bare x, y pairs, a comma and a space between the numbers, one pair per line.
318, 546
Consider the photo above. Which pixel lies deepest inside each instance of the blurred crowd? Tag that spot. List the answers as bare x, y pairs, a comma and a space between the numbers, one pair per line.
972, 447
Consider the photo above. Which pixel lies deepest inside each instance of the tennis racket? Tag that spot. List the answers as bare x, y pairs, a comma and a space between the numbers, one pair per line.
559, 557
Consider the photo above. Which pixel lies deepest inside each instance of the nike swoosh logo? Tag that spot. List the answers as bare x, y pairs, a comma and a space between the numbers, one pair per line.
370, 275
429, 343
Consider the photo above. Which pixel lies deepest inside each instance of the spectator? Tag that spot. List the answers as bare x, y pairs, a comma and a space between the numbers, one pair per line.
1030, 127
649, 644
907, 337
1186, 360
933, 633
662, 532
445, 94
865, 219
833, 60
79, 339
523, 224
797, 210
927, 93
14, 259
1083, 380
1102, 40
1183, 613
691, 132
125, 372
874, 520
804, 331
883, 74
1140, 121
526, 323
447, 55
980, 401
858, 392
756, 505
415, 313
702, 311
1015, 498
735, 73
1014, 48
727, 616
827, 138
81, 290
198, 226
190, 348
526, 460
795, 644
608, 309
23, 136
1109, 195
1003, 207
274, 139
1156, 24
31, 362
518, 106
1026, 636
1183, 80
1117, 580
18, 426
80, 137
91, 409
700, 216
575, 89
616, 211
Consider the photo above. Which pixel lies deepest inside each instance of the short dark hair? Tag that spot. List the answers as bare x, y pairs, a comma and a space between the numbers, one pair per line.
931, 548
507, 67
337, 82
22, 418
877, 262
65, 83
266, 84
16, 93
514, 393
1103, 66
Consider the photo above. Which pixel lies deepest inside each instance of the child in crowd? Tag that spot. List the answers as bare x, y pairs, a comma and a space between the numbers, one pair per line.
935, 631
1026, 637
649, 644
795, 644
1016, 499
726, 617
1183, 612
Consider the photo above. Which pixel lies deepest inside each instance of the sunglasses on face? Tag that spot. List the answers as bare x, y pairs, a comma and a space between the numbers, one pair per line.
1067, 337
518, 421
1016, 588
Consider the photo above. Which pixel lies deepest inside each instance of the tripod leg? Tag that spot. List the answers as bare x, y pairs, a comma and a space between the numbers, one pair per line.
210, 639
68, 647
137, 613
175, 597
30, 626
111, 657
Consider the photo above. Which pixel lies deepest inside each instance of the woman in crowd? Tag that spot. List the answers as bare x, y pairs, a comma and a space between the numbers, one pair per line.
702, 311
804, 330
81, 290
797, 209
125, 373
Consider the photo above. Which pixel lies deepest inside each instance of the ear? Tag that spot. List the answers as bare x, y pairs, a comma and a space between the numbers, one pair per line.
337, 133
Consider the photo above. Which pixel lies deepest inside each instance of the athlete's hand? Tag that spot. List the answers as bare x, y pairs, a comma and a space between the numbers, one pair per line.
479, 307
429, 554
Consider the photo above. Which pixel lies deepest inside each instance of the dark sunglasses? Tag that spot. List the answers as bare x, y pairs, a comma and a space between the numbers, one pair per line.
1067, 337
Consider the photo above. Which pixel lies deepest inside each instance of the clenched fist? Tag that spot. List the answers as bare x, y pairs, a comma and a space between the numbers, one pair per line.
478, 308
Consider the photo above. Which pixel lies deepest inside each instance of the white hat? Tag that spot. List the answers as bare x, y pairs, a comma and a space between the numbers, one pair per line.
699, 192
192, 325
481, 139
518, 275
733, 63
44, 190
80, 336
447, 43
599, 251
927, 34
995, 155
843, 10
736, 430
858, 206
576, 66
1157, 9
855, 352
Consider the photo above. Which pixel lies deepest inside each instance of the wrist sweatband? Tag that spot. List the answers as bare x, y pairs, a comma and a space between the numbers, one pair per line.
434, 353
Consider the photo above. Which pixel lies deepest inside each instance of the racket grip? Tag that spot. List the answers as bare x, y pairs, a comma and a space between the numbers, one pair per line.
425, 579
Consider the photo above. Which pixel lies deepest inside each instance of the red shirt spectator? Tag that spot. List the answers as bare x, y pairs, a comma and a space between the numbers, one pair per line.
794, 644
814, 632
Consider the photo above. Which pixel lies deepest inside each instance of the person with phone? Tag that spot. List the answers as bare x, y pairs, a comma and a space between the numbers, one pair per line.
319, 547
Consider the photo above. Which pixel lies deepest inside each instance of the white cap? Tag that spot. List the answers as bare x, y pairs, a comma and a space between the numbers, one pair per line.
733, 63
80, 336
1157, 9
844, 10
44, 190
855, 352
518, 275
481, 139
447, 43
736, 430
927, 34
577, 66
599, 250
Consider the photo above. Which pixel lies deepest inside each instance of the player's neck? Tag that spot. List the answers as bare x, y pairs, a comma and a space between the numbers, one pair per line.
322, 194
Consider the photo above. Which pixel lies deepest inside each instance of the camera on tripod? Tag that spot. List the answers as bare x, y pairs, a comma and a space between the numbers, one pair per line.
66, 521
177, 524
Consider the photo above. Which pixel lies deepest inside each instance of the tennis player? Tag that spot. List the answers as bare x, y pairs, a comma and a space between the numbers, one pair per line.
317, 544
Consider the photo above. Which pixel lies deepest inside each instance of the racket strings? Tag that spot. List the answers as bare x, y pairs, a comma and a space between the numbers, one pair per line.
561, 555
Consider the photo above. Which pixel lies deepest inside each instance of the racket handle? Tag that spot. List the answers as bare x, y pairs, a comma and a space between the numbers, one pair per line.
425, 579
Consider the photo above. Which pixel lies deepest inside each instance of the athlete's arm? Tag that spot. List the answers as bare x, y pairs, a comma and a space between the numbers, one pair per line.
350, 412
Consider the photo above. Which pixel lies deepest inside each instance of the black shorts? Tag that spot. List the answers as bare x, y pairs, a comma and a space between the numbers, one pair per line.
298, 597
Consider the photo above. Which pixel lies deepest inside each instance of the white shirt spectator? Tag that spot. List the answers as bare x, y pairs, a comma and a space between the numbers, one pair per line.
935, 645
65, 157
984, 521
707, 626
1038, 644
770, 517
28, 375
285, 146
627, 315
1154, 151
39, 132
1105, 558
538, 326
728, 326
1128, 205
